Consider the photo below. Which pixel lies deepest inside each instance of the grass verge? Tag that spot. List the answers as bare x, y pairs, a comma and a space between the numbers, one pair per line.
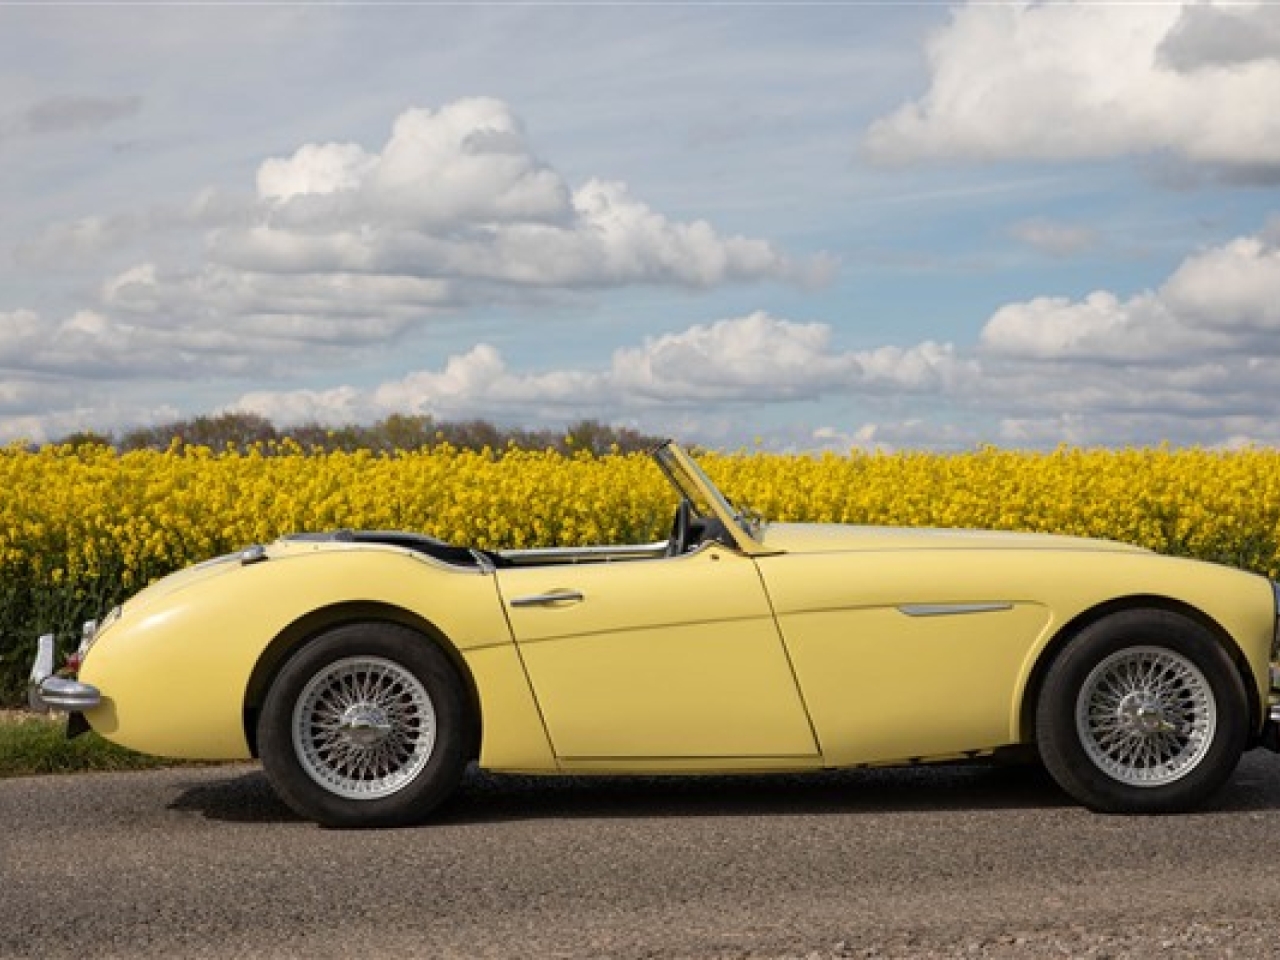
32, 744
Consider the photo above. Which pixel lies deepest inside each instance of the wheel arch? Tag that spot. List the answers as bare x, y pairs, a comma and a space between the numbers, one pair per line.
1071, 629
307, 627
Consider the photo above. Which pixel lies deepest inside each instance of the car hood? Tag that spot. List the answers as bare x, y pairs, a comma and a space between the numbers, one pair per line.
834, 538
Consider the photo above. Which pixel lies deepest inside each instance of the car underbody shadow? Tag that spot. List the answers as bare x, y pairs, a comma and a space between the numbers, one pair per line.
483, 797
244, 797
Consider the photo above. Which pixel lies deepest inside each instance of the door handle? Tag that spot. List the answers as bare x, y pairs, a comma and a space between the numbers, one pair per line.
554, 598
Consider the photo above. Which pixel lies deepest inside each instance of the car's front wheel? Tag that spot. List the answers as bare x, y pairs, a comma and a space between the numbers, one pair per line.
364, 726
1143, 712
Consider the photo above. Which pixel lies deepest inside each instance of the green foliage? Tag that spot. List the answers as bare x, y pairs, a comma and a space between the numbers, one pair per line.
32, 744
241, 431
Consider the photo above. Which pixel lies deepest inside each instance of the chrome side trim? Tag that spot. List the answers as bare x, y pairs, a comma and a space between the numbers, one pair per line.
596, 554
951, 609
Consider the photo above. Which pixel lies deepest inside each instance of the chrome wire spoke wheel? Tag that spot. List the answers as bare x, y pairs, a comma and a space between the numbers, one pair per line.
363, 727
1146, 716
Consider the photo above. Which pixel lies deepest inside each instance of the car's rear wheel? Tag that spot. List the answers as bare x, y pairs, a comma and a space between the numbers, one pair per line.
365, 726
1143, 712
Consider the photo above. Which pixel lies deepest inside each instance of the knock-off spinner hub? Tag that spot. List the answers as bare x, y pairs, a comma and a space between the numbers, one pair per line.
365, 725
1144, 715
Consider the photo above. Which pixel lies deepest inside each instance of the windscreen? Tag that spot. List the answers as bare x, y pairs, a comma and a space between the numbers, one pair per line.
706, 499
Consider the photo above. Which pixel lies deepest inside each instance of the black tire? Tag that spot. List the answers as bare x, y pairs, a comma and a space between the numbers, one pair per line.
365, 726
1142, 712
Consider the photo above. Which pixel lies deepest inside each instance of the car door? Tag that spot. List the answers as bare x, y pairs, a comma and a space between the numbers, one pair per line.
905, 654
666, 659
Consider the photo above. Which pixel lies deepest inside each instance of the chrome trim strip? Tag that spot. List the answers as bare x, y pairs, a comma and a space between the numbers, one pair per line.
951, 609
531, 556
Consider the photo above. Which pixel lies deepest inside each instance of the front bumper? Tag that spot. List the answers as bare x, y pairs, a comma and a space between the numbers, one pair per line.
1270, 738
46, 692
1275, 694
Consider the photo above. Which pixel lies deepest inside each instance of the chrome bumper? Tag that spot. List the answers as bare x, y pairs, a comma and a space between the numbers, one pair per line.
1275, 693
1271, 729
46, 692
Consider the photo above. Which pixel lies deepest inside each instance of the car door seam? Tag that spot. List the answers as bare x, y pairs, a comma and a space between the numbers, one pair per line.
791, 666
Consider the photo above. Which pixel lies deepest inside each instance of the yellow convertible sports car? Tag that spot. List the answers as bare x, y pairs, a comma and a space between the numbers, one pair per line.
367, 669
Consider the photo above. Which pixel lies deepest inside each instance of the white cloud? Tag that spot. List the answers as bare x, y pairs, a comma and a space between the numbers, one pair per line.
1234, 288
342, 246
259, 310
1064, 80
1222, 301
759, 358
750, 360
459, 193
890, 436
1192, 360
39, 410
314, 169
340, 405
89, 345
337, 252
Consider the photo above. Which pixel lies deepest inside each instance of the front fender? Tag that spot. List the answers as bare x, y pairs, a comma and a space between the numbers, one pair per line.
174, 668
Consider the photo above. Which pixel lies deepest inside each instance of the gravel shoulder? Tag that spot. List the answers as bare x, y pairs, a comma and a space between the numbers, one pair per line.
945, 862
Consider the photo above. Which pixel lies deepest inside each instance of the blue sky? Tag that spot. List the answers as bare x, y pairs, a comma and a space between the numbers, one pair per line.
816, 226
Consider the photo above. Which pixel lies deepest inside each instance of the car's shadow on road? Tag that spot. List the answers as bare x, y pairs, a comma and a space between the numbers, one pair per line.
487, 798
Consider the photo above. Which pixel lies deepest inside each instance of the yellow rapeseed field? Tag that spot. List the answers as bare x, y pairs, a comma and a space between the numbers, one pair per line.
81, 528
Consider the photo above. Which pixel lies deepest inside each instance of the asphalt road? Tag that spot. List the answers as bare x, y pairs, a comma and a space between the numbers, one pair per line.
960, 861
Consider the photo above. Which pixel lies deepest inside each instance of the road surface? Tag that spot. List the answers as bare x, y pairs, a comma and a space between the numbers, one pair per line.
937, 862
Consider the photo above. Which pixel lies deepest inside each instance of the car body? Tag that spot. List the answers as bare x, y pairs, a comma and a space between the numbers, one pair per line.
367, 669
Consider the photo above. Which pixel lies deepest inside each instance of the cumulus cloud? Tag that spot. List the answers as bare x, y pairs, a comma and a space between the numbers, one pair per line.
340, 245
83, 242
747, 360
314, 170
1208, 36
89, 345
888, 436
459, 193
1223, 301
47, 416
1065, 80
255, 311
1191, 360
